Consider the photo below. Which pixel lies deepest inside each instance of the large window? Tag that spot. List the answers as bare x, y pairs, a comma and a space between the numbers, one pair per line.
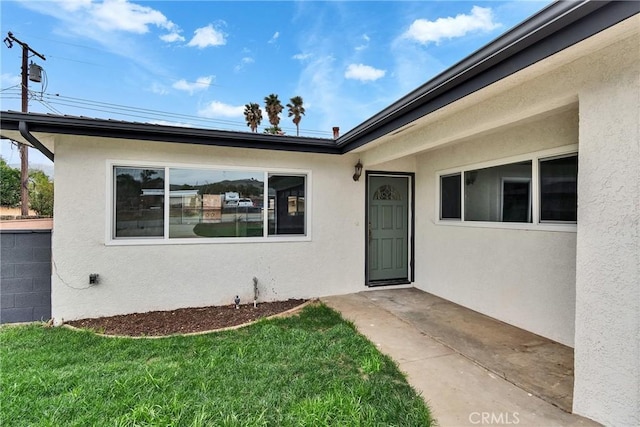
538, 190
215, 203
207, 203
498, 194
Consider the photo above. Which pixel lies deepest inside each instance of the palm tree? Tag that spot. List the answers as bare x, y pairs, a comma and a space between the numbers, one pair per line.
297, 111
253, 115
273, 106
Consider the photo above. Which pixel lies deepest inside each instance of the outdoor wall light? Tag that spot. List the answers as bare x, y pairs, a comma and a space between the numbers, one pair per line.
358, 166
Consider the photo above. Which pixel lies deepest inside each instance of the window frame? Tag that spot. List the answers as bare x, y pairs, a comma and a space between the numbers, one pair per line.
536, 223
550, 221
440, 195
111, 240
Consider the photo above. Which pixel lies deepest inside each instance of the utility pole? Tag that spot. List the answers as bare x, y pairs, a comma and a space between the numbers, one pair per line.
24, 149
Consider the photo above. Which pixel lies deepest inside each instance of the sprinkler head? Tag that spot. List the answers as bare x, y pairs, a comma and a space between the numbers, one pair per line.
237, 301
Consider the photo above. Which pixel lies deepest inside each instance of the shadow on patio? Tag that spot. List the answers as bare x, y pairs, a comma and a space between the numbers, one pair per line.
441, 345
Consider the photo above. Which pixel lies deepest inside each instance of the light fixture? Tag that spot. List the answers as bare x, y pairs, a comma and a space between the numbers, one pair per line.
358, 167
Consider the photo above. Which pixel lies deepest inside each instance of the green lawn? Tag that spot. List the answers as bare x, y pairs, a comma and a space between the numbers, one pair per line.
229, 229
310, 370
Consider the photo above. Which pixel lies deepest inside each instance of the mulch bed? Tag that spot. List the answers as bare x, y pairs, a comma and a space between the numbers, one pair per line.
184, 320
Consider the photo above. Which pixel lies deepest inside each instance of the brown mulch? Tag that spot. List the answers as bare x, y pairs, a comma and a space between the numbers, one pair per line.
184, 320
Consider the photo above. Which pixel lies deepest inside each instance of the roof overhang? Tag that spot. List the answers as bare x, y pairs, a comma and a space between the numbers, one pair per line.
11, 121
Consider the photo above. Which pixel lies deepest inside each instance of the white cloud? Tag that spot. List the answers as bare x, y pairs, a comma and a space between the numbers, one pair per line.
108, 22
172, 37
73, 5
275, 37
216, 109
207, 36
243, 62
365, 45
8, 80
425, 31
121, 15
202, 83
320, 85
363, 72
302, 56
158, 89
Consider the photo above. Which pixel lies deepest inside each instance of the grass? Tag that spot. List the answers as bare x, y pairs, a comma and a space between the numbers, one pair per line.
229, 229
310, 370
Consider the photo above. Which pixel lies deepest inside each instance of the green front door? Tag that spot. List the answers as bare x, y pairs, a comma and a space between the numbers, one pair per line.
388, 229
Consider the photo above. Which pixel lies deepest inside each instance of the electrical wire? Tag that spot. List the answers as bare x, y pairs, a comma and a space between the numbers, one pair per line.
50, 107
49, 100
11, 87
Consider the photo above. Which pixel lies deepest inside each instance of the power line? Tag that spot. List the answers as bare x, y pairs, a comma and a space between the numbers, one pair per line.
140, 113
26, 75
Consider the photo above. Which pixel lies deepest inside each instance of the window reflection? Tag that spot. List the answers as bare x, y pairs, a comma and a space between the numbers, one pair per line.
215, 203
559, 189
139, 202
286, 204
500, 193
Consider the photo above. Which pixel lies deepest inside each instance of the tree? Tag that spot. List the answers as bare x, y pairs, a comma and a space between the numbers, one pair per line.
297, 111
274, 130
273, 107
253, 115
9, 185
40, 193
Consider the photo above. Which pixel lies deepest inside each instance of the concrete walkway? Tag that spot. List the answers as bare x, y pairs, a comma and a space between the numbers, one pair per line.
459, 390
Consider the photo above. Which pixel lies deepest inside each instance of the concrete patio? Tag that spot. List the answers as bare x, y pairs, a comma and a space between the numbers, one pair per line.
470, 368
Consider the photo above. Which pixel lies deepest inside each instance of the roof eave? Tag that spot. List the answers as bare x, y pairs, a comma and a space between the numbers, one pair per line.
45, 123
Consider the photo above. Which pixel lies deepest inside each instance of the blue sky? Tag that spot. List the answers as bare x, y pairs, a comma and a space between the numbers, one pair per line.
197, 63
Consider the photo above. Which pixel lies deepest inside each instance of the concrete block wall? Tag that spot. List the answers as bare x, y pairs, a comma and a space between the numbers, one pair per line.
25, 277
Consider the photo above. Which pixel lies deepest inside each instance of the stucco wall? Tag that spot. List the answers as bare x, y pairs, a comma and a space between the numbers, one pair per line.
153, 277
523, 277
607, 357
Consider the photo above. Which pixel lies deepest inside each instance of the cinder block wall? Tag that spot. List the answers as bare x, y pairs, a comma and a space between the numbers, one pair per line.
25, 279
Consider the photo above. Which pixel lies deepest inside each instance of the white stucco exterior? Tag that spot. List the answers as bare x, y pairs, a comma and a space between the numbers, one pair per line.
525, 277
144, 277
607, 357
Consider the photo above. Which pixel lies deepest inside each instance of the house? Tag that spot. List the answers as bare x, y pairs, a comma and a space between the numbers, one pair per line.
509, 184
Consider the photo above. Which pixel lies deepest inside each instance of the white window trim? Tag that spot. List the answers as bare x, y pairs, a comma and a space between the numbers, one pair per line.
439, 195
110, 240
536, 224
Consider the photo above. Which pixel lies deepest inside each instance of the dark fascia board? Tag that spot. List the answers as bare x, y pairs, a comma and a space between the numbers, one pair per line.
556, 27
73, 125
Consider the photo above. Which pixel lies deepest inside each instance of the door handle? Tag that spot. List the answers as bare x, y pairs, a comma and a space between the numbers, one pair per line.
370, 234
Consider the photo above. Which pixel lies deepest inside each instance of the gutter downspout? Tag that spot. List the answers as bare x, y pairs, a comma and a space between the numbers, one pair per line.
24, 131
